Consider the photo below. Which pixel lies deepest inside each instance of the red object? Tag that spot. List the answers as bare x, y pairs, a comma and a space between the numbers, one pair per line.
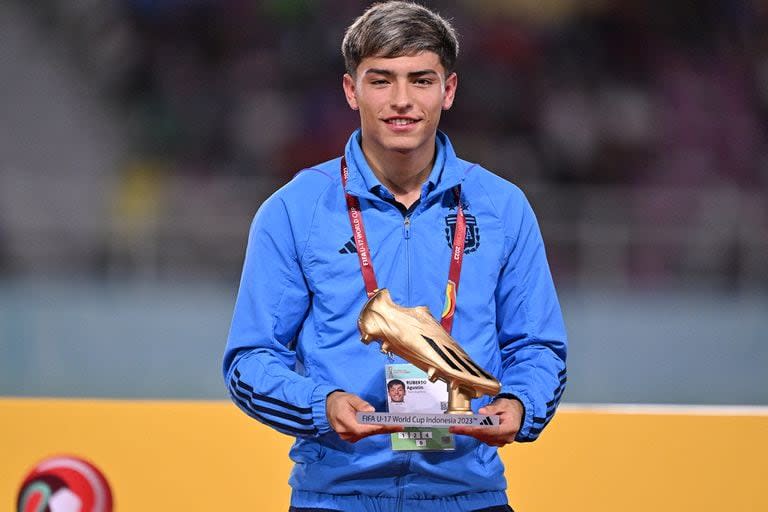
72, 483
366, 259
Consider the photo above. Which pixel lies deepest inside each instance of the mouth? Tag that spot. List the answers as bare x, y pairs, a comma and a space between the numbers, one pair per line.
401, 121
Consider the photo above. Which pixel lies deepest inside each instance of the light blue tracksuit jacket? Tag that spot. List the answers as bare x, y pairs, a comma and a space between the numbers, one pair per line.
294, 336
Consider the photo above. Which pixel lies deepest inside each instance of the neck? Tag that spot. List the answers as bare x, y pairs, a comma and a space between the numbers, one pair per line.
403, 173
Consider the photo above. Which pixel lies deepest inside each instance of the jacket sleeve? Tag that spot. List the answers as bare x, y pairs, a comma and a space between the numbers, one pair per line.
532, 336
260, 365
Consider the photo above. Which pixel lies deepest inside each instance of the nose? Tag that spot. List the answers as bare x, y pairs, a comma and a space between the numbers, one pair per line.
400, 99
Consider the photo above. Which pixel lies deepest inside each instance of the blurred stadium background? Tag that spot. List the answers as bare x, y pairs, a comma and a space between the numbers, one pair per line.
138, 139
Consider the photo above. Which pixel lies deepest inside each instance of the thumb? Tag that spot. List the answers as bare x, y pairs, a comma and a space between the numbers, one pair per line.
360, 405
489, 409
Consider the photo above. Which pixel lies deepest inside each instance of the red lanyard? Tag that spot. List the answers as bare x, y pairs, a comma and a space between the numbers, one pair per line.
366, 262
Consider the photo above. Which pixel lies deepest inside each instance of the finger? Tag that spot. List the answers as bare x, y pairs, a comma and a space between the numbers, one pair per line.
367, 430
350, 438
483, 438
494, 409
474, 431
391, 429
361, 405
381, 429
365, 407
501, 432
489, 410
493, 436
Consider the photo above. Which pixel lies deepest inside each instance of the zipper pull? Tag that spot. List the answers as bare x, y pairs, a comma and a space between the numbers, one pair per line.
407, 227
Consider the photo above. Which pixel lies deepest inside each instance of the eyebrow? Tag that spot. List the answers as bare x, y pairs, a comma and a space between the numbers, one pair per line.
389, 72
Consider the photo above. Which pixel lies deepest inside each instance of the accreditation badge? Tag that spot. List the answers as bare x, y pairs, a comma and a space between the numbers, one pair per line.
410, 391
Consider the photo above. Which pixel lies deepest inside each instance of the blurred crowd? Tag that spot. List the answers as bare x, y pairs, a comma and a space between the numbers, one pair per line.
609, 92
552, 93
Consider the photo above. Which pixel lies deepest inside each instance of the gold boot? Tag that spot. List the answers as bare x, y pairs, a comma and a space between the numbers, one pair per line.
414, 335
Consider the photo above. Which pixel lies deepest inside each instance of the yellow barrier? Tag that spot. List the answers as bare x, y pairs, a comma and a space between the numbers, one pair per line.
208, 456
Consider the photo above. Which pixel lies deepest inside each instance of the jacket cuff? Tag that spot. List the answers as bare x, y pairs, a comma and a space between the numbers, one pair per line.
319, 416
524, 434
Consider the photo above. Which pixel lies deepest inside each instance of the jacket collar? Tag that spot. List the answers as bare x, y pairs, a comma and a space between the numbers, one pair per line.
446, 173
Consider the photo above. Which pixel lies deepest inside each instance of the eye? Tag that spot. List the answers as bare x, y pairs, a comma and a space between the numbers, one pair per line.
423, 82
379, 81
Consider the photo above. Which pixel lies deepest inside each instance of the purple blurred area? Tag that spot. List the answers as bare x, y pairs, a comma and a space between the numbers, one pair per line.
140, 136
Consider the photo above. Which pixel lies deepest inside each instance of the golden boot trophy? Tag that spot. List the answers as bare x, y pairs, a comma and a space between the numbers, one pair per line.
414, 335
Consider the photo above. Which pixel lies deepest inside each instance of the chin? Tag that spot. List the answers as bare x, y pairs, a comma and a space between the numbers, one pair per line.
402, 149
403, 145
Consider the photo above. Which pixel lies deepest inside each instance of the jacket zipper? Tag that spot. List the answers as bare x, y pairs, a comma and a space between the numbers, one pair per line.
407, 462
407, 236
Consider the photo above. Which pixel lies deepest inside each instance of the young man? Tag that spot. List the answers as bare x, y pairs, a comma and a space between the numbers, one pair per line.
396, 390
294, 359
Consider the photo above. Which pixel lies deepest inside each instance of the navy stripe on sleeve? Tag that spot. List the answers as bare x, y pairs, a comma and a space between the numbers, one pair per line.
295, 420
267, 410
539, 422
558, 392
279, 426
269, 399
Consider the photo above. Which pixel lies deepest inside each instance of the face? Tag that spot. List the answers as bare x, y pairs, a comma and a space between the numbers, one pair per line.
400, 100
396, 392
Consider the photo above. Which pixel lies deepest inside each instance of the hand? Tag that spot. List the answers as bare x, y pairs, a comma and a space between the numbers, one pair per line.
341, 407
510, 413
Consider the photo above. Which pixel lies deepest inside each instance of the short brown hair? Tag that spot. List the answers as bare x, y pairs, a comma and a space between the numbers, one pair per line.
394, 29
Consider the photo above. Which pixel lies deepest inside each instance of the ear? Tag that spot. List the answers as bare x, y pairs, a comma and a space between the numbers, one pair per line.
348, 83
451, 83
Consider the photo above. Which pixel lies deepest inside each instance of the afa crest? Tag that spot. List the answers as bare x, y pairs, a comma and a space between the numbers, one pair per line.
472, 238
